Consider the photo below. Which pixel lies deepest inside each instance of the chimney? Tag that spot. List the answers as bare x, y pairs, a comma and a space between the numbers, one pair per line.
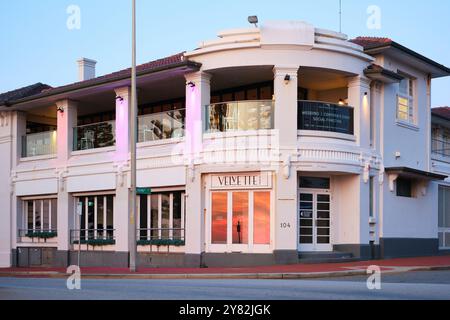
86, 69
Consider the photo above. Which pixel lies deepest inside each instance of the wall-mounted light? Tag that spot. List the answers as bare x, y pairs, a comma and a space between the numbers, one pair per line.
253, 20
190, 84
119, 98
287, 79
341, 102
60, 109
365, 94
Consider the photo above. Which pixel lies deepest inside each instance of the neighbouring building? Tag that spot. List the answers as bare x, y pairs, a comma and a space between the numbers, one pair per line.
440, 126
266, 145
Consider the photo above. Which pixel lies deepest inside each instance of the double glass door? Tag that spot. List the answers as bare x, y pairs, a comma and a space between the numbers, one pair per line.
314, 221
239, 221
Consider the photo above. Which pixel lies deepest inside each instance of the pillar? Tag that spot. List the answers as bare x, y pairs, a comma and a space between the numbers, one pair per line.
122, 155
286, 88
66, 122
359, 99
198, 96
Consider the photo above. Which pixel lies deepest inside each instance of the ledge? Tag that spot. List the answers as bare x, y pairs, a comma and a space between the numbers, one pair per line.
38, 158
92, 151
407, 125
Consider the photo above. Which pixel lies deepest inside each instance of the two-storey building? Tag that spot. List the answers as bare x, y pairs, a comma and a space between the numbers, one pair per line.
259, 147
440, 155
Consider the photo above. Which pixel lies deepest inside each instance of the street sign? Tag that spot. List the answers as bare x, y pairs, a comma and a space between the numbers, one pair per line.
143, 191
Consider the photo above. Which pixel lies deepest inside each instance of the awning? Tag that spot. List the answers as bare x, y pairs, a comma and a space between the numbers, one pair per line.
410, 173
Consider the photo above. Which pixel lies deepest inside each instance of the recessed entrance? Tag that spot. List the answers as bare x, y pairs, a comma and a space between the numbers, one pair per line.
314, 216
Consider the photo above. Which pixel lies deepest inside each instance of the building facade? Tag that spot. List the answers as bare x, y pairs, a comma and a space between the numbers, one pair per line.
260, 147
440, 156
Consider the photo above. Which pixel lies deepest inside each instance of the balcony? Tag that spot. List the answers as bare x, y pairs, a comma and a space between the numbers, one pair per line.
93, 136
39, 144
240, 116
325, 117
162, 125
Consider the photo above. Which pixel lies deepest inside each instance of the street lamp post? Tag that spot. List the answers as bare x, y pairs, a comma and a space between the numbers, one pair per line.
133, 136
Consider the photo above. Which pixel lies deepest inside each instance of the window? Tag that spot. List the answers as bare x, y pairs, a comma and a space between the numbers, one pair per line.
97, 219
404, 187
314, 183
441, 141
405, 101
40, 215
161, 217
444, 217
372, 196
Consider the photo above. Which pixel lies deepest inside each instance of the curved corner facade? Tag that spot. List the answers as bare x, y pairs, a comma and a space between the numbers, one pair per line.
265, 146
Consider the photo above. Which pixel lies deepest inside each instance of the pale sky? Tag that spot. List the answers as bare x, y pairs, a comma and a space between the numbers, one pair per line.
37, 46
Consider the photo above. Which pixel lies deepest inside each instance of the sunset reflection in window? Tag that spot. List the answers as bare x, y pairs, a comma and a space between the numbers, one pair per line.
261, 219
219, 218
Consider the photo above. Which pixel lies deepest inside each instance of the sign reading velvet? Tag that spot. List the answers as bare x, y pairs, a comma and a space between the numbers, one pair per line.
316, 116
259, 180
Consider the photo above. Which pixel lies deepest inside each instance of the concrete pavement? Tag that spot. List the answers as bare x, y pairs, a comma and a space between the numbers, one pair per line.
298, 271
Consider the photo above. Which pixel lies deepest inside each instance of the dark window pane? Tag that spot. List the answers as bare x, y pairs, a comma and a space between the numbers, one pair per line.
314, 183
306, 231
404, 187
306, 197
306, 239
323, 198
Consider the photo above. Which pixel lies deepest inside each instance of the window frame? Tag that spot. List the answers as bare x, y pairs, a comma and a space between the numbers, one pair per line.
409, 96
150, 220
38, 207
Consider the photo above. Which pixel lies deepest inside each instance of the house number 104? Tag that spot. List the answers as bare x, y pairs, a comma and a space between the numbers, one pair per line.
285, 225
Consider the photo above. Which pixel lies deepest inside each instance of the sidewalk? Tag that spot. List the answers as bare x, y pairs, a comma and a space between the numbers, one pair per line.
298, 271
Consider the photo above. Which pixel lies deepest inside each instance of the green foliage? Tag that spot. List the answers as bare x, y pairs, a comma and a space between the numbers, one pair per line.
97, 242
42, 234
161, 242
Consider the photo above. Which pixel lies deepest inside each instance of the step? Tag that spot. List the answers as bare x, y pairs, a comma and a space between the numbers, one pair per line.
325, 257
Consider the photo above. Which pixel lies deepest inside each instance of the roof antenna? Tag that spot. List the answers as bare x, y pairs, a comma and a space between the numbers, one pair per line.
340, 16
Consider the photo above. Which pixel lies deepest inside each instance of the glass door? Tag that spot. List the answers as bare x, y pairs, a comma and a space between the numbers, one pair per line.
239, 221
314, 221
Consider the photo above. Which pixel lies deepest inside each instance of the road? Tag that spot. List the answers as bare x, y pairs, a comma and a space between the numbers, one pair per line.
414, 285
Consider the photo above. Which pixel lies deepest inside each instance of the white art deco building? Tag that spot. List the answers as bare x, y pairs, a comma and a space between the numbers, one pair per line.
264, 146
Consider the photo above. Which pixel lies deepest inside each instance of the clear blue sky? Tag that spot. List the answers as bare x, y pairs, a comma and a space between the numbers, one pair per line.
36, 45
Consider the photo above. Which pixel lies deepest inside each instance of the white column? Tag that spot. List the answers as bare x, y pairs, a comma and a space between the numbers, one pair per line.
7, 136
122, 156
359, 99
286, 88
198, 96
122, 123
67, 121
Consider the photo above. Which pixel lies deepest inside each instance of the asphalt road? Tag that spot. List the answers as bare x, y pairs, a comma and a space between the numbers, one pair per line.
416, 285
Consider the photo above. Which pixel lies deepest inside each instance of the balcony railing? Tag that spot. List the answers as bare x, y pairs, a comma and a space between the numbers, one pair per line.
93, 237
160, 126
321, 116
441, 147
93, 136
161, 236
39, 144
240, 116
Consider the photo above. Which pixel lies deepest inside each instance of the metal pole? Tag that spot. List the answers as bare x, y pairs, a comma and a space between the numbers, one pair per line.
133, 133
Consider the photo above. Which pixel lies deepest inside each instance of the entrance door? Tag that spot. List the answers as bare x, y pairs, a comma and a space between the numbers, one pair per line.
239, 221
314, 221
